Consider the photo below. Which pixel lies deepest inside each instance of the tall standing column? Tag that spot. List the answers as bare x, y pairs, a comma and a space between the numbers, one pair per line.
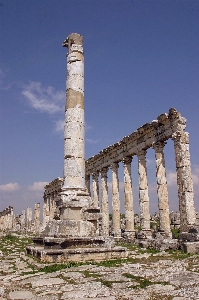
105, 208
128, 198
143, 193
37, 216
28, 217
52, 205
74, 163
162, 190
184, 180
115, 201
95, 176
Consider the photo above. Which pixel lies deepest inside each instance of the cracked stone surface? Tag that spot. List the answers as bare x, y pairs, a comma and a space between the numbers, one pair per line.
143, 275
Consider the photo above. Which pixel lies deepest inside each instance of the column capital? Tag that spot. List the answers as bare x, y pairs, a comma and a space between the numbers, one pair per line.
141, 153
127, 160
95, 175
159, 146
114, 166
104, 171
181, 137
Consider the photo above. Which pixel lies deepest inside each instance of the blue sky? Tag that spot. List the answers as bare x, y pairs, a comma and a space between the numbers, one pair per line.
141, 59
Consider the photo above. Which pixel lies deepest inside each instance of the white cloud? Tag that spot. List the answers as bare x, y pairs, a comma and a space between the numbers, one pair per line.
44, 99
93, 141
171, 178
37, 186
9, 187
59, 126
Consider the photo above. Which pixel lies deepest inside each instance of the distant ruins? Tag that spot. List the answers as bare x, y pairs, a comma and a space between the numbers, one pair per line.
69, 212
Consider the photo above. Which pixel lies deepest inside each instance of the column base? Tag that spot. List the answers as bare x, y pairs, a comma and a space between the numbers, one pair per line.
144, 234
117, 233
129, 234
166, 235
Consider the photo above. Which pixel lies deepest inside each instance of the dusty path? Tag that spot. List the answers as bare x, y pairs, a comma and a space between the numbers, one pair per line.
143, 275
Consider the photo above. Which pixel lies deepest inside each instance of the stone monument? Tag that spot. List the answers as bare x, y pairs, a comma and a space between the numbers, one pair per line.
73, 234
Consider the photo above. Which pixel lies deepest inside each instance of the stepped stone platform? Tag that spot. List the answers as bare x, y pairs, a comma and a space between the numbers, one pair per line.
52, 249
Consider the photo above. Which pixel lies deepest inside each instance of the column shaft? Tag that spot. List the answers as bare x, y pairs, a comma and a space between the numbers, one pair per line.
74, 163
115, 200
162, 189
87, 178
105, 208
143, 191
95, 180
128, 197
184, 180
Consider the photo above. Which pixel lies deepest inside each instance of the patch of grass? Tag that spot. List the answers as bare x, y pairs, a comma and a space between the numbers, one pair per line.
142, 282
175, 233
129, 246
179, 254
107, 283
154, 225
90, 274
97, 277
138, 228
111, 262
58, 267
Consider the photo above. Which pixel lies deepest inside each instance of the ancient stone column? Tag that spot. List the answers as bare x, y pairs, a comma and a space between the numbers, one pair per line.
105, 208
28, 217
128, 198
75, 211
162, 190
143, 193
87, 179
23, 219
74, 164
95, 181
52, 205
184, 180
44, 208
115, 200
37, 216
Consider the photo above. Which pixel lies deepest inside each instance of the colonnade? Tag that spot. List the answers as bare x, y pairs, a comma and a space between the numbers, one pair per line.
184, 183
51, 193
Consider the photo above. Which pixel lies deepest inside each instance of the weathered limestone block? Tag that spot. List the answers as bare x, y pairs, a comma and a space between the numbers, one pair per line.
69, 228
191, 247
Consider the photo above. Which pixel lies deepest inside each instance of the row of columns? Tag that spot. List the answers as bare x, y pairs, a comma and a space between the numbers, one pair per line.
49, 206
185, 193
